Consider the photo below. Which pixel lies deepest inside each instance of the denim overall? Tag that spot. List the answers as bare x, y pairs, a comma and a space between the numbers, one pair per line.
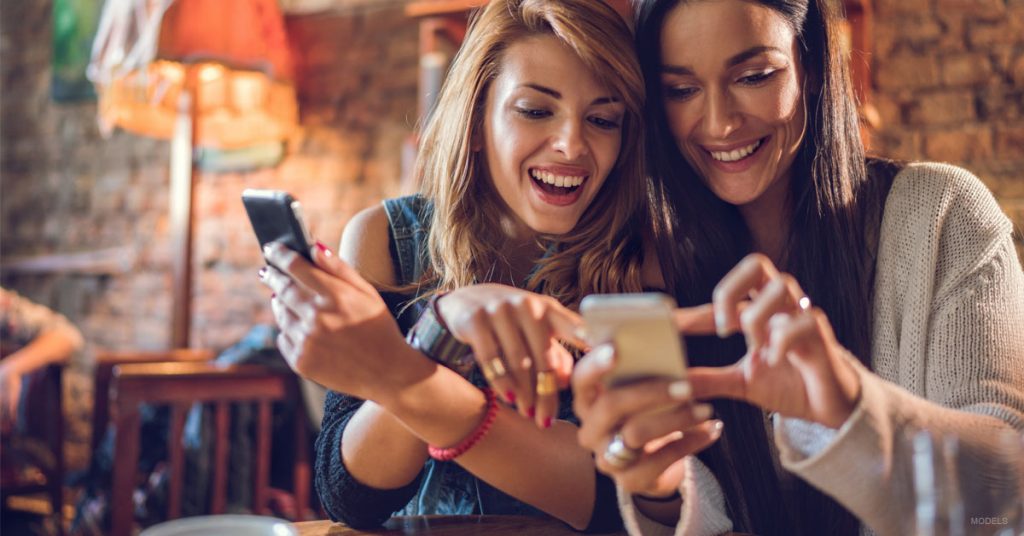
445, 487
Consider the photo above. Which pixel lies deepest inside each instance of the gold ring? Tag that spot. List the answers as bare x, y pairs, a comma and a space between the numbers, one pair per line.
493, 369
546, 384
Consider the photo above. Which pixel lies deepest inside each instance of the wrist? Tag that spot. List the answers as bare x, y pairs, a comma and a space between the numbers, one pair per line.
431, 336
848, 386
441, 409
407, 370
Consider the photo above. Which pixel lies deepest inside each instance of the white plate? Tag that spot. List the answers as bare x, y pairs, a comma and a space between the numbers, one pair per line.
226, 525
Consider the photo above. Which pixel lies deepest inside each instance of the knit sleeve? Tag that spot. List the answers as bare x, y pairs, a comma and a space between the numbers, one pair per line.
703, 509
343, 497
950, 348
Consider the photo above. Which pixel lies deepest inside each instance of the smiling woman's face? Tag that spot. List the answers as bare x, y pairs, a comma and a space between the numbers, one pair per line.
732, 87
551, 133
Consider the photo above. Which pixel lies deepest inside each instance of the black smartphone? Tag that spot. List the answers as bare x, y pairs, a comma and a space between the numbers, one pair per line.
277, 217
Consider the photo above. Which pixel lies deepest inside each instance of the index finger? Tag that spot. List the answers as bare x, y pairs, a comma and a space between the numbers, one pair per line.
298, 268
752, 273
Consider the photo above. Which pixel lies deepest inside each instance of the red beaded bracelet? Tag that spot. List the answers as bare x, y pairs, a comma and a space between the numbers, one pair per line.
448, 454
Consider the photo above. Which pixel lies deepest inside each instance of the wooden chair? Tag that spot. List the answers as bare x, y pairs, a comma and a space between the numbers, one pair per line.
46, 411
179, 384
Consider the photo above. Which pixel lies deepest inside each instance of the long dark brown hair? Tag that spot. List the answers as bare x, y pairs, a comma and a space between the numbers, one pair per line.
836, 213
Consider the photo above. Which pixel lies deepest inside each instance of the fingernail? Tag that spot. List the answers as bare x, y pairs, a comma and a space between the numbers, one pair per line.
679, 390
263, 273
323, 249
268, 250
532, 412
703, 412
273, 295
603, 356
547, 422
720, 327
580, 333
716, 428
510, 396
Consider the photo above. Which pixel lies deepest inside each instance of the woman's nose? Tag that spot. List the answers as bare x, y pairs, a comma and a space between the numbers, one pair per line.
720, 117
569, 140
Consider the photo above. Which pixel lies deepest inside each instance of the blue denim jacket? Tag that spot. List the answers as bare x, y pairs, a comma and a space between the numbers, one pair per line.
441, 487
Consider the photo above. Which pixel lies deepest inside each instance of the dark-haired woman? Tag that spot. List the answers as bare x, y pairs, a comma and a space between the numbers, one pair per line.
871, 297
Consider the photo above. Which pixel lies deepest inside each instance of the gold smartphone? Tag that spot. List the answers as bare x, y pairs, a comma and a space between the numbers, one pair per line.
641, 327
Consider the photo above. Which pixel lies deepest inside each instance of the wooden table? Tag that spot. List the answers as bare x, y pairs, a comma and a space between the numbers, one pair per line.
446, 526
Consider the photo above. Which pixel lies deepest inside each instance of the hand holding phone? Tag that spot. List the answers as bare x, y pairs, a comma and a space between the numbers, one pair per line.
277, 217
641, 328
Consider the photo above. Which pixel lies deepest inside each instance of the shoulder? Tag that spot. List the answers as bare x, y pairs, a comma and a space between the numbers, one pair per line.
365, 244
945, 197
945, 189
943, 215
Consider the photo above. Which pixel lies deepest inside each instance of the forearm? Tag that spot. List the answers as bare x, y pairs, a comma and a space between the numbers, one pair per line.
379, 451
442, 408
51, 346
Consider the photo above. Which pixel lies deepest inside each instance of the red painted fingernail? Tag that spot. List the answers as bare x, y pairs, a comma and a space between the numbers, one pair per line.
323, 249
273, 295
547, 422
510, 396
263, 273
532, 412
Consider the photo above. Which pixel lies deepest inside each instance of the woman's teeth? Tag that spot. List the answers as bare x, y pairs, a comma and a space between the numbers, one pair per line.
736, 154
561, 181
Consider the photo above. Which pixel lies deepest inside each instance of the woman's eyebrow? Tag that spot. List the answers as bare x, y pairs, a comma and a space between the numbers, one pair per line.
548, 91
731, 62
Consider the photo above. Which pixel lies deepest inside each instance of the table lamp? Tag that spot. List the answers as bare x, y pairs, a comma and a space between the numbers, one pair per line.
212, 74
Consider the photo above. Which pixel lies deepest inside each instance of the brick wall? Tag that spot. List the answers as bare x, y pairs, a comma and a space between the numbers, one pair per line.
948, 79
65, 189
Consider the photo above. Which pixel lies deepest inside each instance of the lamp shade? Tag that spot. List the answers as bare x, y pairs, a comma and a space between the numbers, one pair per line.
232, 58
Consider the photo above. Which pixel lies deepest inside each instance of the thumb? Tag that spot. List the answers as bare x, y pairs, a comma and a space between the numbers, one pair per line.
718, 382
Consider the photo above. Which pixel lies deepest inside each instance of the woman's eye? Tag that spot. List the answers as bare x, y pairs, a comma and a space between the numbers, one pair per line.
604, 123
533, 113
757, 78
679, 93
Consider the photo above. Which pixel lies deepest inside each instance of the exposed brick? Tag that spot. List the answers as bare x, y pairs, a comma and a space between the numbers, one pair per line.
890, 111
888, 8
1017, 72
907, 71
942, 108
986, 34
966, 69
900, 143
987, 9
959, 145
1010, 142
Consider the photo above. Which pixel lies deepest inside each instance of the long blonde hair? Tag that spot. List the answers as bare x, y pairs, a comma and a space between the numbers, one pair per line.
603, 252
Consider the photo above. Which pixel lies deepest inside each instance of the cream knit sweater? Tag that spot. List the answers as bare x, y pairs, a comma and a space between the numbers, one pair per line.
947, 355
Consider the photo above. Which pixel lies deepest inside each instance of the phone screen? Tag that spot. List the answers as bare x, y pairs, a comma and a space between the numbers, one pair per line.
641, 327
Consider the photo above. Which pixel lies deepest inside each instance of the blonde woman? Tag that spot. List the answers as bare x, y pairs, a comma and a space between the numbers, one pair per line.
532, 177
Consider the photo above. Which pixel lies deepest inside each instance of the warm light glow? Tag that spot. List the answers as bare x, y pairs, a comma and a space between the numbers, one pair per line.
208, 72
239, 77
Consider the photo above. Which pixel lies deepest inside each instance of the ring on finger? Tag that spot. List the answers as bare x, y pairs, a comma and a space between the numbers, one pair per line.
618, 454
546, 384
493, 369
